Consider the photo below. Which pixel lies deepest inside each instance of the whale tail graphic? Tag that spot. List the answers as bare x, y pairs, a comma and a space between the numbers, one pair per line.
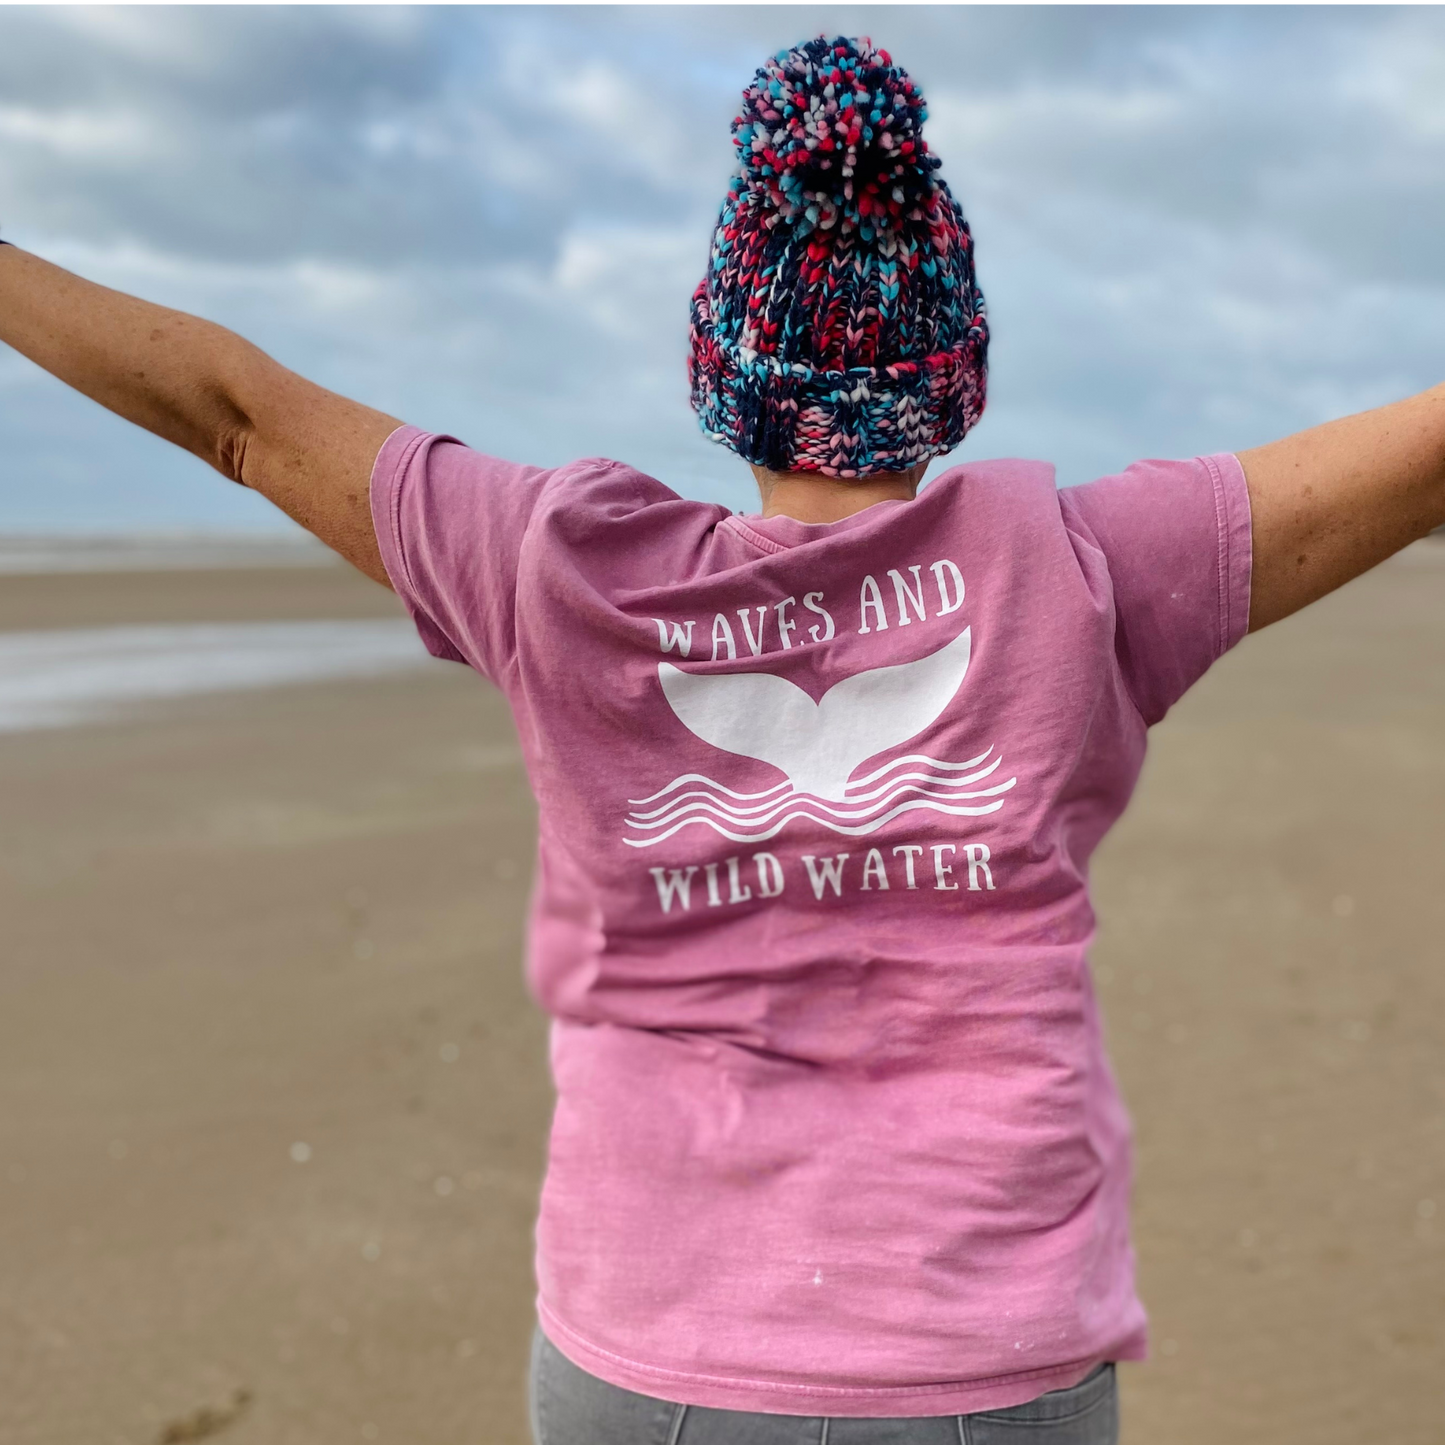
818, 745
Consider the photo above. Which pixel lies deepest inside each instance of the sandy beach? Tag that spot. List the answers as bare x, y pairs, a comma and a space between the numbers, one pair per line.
273, 1097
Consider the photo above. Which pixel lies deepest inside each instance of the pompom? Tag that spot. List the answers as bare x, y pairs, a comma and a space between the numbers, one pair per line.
831, 135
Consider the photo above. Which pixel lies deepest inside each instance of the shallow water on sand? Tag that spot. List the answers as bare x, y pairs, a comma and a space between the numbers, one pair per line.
58, 678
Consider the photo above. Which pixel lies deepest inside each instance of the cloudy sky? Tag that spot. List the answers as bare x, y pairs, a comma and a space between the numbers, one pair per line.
1197, 228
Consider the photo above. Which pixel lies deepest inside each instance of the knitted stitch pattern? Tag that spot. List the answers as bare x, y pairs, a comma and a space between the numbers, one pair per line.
839, 328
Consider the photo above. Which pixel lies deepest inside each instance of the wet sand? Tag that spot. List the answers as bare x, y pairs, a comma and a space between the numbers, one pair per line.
273, 1096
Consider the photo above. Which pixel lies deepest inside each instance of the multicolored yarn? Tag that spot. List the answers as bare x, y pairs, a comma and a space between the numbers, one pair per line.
839, 328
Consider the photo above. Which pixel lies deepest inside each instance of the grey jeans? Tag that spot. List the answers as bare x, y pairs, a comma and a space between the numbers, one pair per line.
569, 1406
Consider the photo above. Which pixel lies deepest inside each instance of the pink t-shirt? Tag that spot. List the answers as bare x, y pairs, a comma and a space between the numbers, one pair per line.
835, 1130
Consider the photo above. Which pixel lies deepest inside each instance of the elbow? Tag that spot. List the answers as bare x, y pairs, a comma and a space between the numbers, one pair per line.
230, 446
240, 396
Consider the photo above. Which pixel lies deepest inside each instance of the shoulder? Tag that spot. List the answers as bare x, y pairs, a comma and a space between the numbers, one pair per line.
1016, 496
457, 474
1157, 503
615, 487
997, 477
1011, 491
598, 502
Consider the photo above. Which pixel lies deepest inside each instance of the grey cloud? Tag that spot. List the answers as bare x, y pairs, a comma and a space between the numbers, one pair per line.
223, 61
1254, 121
1198, 227
247, 134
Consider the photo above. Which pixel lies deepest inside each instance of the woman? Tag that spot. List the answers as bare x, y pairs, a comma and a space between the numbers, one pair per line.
837, 1154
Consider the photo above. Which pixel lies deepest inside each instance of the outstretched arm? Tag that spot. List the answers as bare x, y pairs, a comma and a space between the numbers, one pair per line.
1331, 502
208, 390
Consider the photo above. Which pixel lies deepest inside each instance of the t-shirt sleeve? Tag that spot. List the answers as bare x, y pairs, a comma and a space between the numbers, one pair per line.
1176, 539
450, 523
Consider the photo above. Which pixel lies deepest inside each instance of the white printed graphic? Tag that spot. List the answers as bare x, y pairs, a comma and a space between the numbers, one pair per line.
818, 747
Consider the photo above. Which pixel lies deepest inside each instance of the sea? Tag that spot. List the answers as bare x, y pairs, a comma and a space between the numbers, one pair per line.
62, 677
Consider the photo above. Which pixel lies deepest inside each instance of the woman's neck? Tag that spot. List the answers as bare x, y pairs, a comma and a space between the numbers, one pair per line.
812, 497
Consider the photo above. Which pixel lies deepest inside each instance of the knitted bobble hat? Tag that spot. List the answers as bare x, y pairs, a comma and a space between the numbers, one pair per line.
839, 328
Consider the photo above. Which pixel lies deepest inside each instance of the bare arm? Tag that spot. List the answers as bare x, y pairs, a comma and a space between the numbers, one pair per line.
208, 390
1331, 502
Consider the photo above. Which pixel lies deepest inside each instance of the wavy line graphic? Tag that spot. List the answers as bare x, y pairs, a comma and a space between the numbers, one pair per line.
926, 761
778, 827
637, 819
778, 787
754, 818
711, 782
757, 817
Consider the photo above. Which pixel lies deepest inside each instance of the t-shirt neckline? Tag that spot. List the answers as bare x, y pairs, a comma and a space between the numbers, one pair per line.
779, 534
